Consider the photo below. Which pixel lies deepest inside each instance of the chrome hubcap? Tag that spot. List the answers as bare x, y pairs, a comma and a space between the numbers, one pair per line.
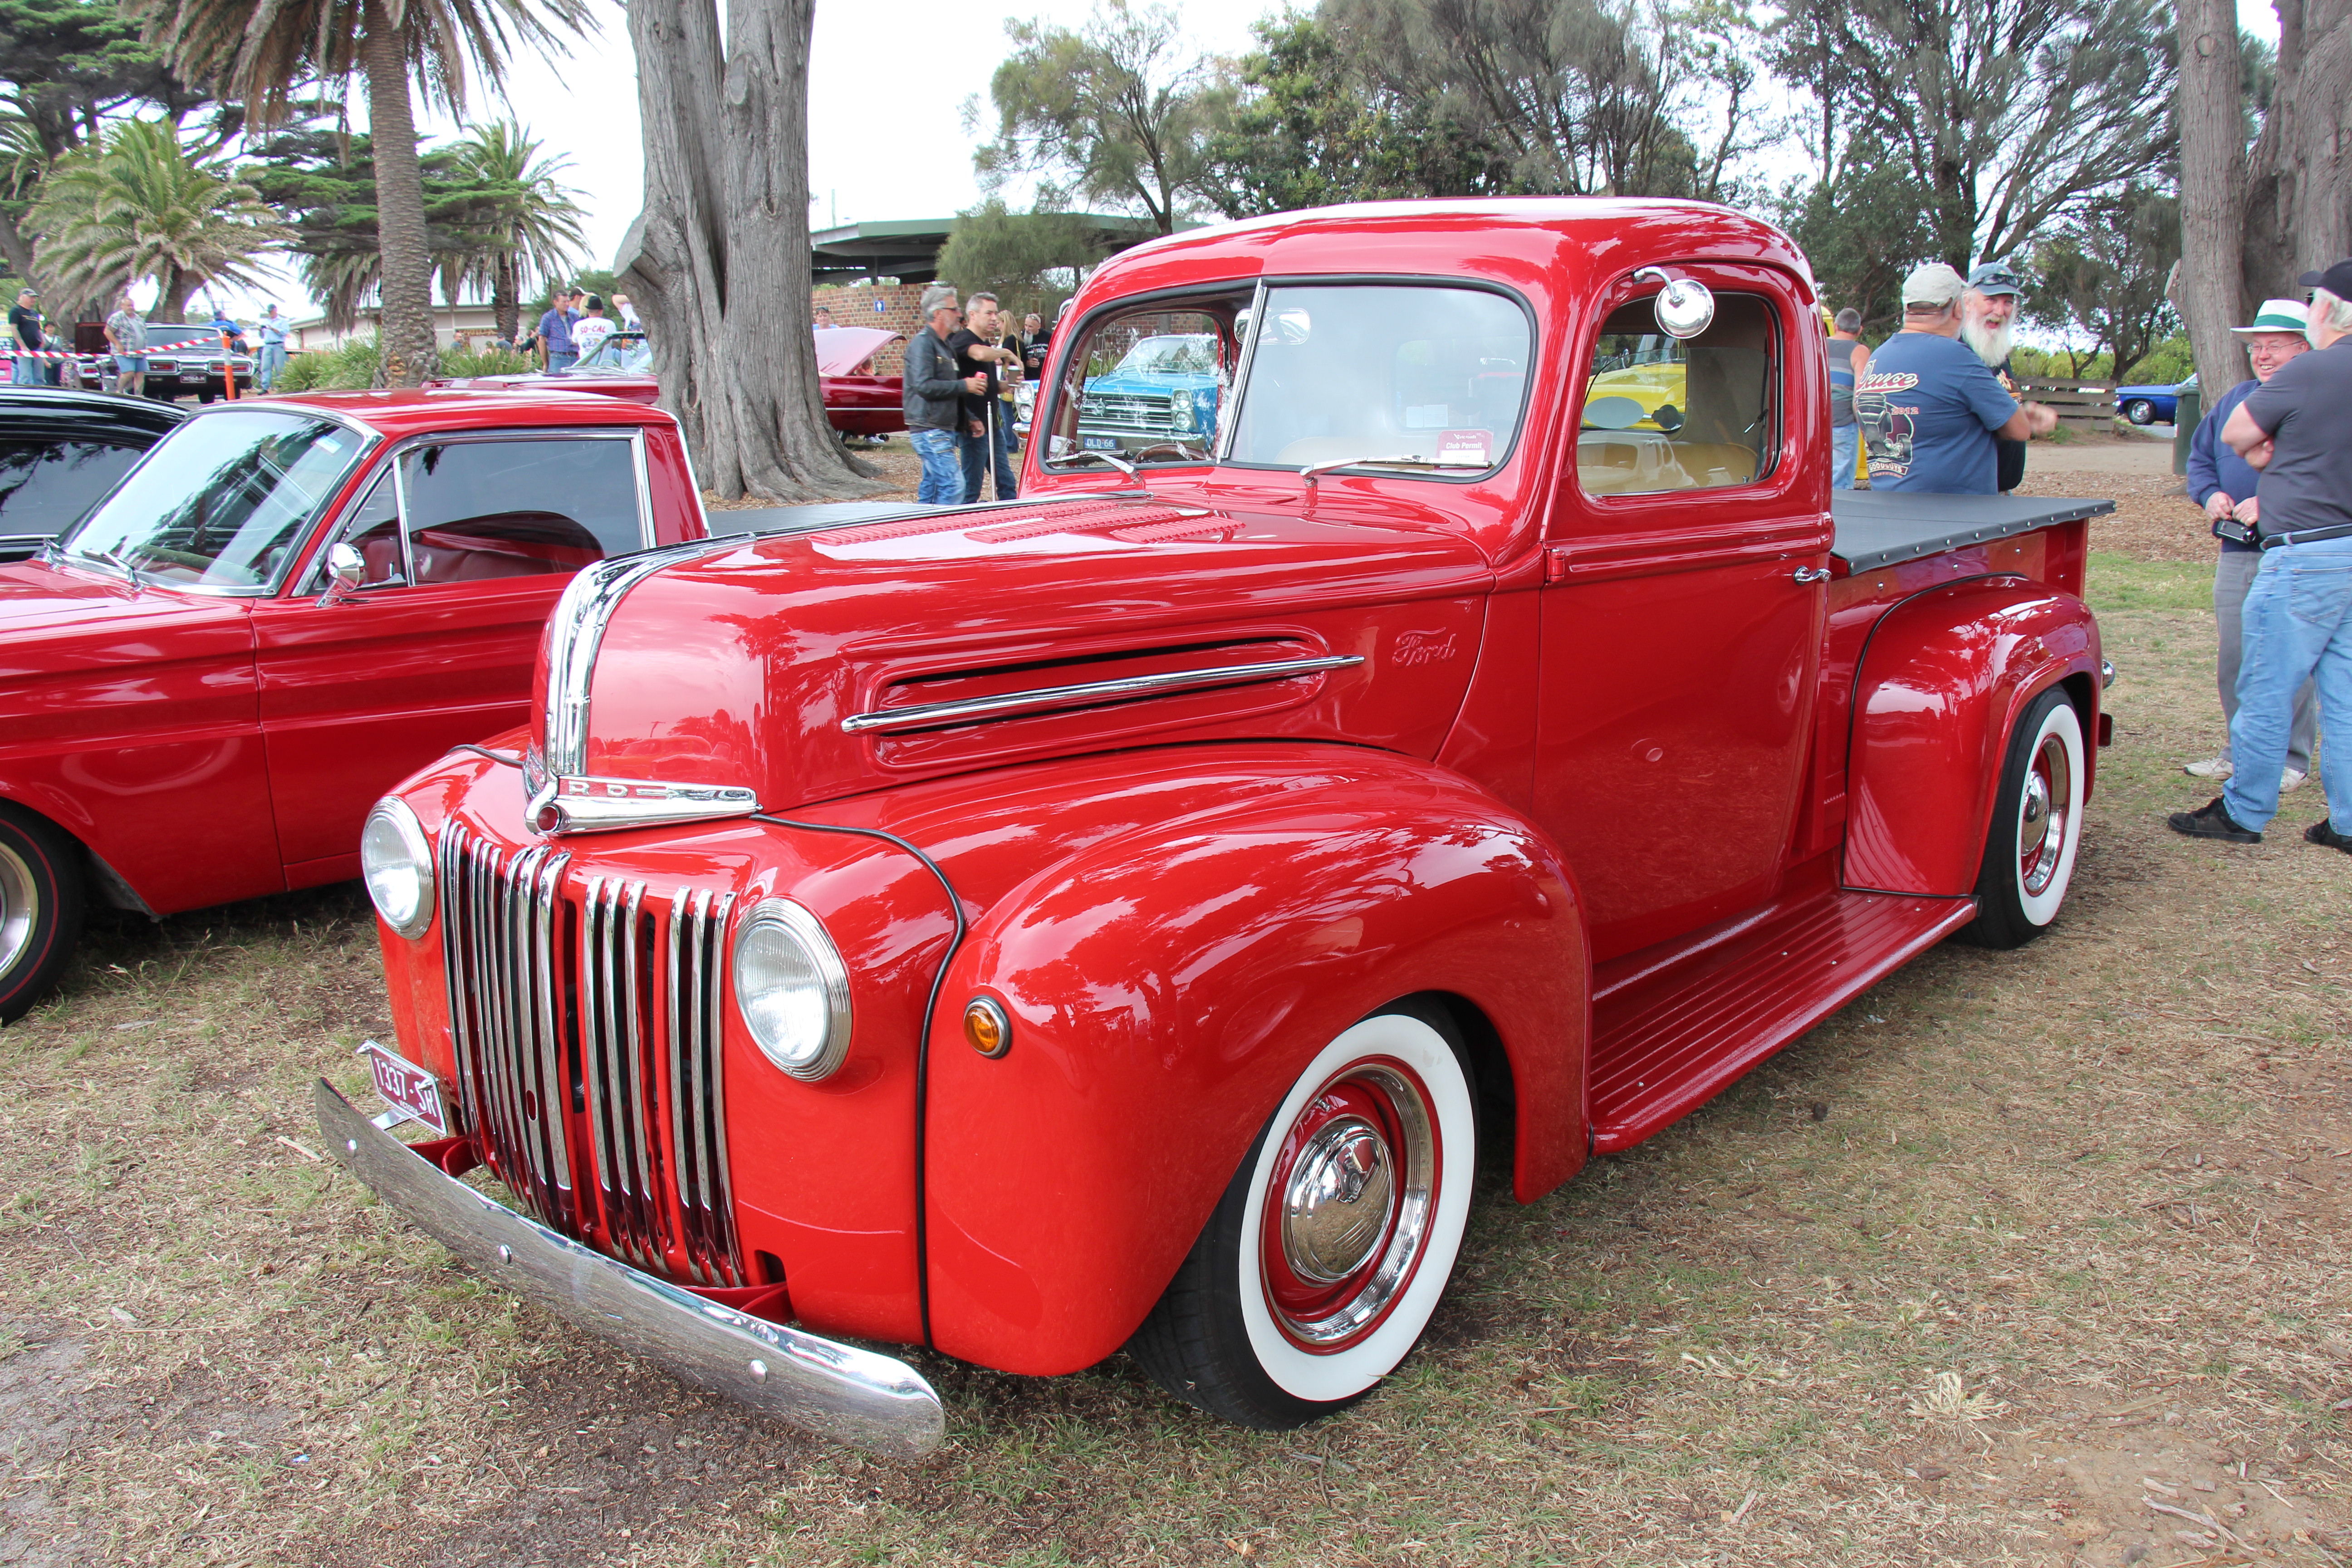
1349, 1205
17, 908
2041, 818
1335, 1205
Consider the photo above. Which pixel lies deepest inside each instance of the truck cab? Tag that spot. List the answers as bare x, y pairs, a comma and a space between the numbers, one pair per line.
1126, 915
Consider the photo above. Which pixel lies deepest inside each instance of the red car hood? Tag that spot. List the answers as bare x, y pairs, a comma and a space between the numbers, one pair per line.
54, 618
739, 666
841, 349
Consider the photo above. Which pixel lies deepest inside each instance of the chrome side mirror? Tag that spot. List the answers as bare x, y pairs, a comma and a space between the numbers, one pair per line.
1684, 306
344, 568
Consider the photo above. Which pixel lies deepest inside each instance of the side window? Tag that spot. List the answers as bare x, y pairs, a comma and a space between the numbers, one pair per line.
1148, 386
480, 509
1680, 413
46, 487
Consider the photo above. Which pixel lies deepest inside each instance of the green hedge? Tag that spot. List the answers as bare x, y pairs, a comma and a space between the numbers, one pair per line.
351, 367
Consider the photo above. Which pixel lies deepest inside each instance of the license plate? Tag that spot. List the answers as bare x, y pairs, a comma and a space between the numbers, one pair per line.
406, 1088
1100, 443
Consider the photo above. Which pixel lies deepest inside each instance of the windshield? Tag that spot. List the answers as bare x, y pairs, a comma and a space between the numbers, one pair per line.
222, 502
1195, 353
1423, 377
619, 352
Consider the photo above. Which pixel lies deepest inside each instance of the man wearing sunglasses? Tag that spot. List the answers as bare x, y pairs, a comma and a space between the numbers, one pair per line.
1987, 325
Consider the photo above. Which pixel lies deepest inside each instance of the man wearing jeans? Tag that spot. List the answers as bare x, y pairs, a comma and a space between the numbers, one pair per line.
273, 350
26, 321
2223, 483
2296, 429
934, 397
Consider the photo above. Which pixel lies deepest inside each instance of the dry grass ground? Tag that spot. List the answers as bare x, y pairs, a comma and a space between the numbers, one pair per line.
2034, 1257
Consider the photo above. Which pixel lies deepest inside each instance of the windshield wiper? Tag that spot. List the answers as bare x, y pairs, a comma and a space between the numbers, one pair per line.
114, 558
1314, 471
1121, 464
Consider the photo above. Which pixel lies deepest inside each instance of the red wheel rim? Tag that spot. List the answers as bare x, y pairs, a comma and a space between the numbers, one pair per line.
1348, 1205
2043, 814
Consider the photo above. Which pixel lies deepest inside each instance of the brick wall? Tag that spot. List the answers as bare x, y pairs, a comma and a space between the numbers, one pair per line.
901, 312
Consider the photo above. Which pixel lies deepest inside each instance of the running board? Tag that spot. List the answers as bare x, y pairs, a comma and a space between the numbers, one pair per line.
1666, 1045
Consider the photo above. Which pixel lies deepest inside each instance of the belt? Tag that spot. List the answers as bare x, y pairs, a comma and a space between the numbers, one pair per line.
2307, 536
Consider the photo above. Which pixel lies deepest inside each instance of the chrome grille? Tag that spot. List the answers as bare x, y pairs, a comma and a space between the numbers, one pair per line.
586, 1020
1123, 411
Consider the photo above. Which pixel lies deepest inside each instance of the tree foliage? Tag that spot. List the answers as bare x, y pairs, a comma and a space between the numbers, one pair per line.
477, 211
2104, 275
138, 207
1030, 261
1303, 123
1861, 234
264, 52
1112, 115
2003, 115
1574, 97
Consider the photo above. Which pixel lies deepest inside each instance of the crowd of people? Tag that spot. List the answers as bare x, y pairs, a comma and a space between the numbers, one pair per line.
43, 358
572, 326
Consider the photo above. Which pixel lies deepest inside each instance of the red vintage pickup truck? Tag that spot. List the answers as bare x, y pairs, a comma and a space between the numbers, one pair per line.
289, 605
1125, 916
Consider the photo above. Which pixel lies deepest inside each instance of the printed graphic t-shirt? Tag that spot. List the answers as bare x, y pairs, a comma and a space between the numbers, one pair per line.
1929, 409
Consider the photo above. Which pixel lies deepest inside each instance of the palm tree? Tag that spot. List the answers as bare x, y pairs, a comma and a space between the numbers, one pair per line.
261, 50
537, 235
136, 206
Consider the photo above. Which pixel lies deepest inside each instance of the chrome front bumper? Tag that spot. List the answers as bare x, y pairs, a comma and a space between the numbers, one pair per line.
836, 1391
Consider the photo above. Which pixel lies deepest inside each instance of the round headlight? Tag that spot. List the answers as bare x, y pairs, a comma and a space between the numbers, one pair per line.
397, 862
793, 989
1180, 412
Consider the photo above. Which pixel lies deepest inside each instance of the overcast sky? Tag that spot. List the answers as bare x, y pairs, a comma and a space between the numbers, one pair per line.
887, 89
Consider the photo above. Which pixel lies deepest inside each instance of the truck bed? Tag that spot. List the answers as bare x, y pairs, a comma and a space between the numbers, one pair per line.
1880, 528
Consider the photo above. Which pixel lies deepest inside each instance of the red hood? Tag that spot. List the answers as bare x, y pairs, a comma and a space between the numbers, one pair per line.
737, 665
55, 620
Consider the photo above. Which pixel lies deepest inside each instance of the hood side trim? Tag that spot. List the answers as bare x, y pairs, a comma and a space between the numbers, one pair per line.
932, 715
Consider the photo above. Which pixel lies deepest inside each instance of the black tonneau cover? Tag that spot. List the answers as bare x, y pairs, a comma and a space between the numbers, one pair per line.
1879, 527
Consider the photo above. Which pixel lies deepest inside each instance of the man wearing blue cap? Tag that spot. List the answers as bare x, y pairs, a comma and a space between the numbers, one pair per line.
2296, 430
2223, 483
1988, 325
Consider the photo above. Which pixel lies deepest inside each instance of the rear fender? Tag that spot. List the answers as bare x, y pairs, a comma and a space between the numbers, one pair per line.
1166, 988
1940, 687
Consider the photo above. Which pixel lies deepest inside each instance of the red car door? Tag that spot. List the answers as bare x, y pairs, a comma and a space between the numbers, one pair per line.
1682, 623
467, 541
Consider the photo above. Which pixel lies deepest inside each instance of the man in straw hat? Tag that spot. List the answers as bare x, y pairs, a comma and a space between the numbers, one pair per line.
2295, 429
2223, 483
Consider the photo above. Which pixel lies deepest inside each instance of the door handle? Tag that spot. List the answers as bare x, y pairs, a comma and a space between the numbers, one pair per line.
1811, 573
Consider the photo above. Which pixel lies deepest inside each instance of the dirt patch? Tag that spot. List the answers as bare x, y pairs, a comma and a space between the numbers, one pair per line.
2036, 1257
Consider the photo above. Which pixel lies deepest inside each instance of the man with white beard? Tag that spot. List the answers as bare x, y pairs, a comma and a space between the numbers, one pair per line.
1988, 325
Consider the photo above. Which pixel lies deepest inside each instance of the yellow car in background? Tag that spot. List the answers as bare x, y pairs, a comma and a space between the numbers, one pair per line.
1655, 386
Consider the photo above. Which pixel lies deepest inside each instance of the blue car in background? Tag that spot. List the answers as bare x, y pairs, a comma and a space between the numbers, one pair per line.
1163, 389
2152, 405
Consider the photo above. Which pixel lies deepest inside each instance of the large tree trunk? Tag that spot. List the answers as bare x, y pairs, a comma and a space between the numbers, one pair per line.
506, 295
717, 262
171, 303
2208, 289
19, 255
2299, 192
409, 352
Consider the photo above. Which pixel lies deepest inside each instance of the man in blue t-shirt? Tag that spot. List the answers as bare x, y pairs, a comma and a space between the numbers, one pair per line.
1930, 408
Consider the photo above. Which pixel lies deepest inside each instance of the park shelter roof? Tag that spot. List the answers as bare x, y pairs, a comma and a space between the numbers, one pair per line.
908, 248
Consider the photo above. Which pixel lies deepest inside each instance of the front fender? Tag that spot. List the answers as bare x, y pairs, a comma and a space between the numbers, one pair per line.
1166, 986
1940, 687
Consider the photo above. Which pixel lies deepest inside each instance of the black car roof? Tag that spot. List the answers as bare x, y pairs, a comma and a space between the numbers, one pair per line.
54, 409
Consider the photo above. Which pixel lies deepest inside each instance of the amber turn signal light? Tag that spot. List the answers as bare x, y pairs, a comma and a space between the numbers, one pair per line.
987, 1028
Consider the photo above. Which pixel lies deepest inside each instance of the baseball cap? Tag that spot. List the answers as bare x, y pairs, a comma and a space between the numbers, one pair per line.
1933, 284
2278, 316
2336, 279
1992, 277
